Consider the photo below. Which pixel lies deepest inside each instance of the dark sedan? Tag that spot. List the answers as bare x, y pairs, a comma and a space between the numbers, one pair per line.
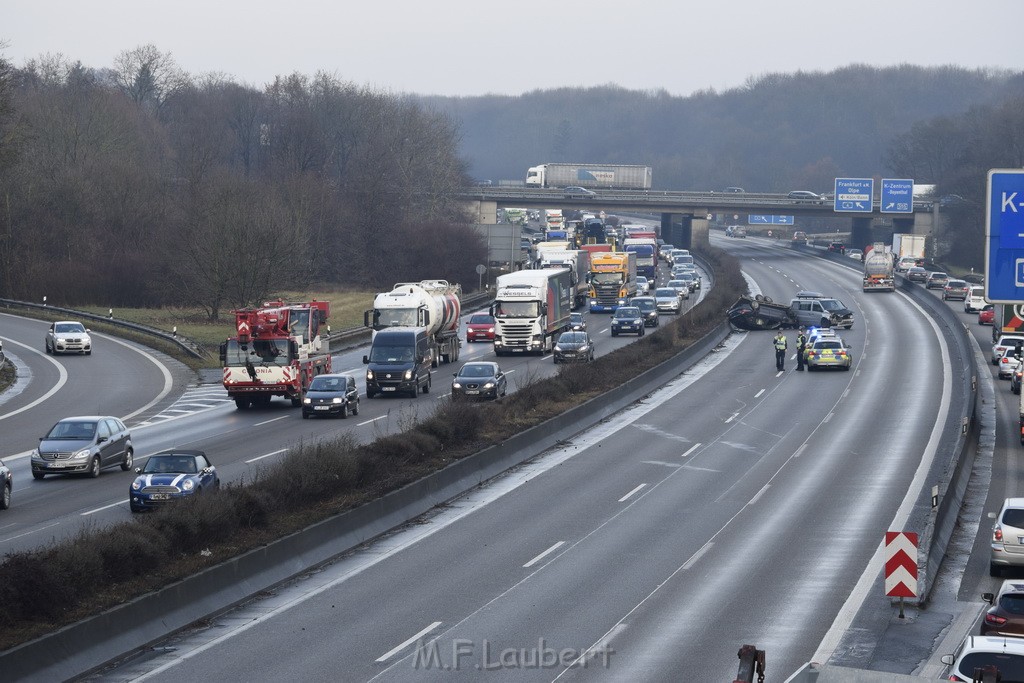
479, 379
330, 396
577, 322
628, 320
574, 346
6, 484
648, 305
917, 274
1006, 616
169, 476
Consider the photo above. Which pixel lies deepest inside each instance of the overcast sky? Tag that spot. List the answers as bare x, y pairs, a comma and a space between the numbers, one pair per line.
475, 47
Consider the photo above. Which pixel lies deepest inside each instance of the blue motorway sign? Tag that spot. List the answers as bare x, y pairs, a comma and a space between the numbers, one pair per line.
1004, 237
897, 196
764, 219
854, 194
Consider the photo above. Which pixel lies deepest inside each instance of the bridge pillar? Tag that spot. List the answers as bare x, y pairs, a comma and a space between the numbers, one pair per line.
482, 212
675, 229
699, 225
860, 233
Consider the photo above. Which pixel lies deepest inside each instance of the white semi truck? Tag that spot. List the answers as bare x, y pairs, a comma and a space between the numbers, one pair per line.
592, 176
531, 308
577, 262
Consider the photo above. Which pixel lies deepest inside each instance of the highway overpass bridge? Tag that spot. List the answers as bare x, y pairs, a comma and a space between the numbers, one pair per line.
684, 215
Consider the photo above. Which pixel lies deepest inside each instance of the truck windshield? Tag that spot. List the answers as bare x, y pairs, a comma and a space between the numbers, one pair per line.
606, 278
516, 309
391, 354
271, 352
395, 317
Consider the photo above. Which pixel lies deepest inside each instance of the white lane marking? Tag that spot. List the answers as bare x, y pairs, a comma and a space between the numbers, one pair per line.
691, 450
631, 493
168, 380
732, 417
61, 380
780, 373
33, 531
873, 567
598, 649
846, 393
760, 493
460, 508
660, 462
697, 555
105, 507
392, 652
758, 394
828, 418
273, 419
260, 457
366, 422
798, 451
700, 469
543, 554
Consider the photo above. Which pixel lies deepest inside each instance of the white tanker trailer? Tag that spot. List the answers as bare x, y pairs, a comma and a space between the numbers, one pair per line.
433, 304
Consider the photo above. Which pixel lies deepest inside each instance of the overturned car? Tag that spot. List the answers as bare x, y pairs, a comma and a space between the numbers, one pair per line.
760, 313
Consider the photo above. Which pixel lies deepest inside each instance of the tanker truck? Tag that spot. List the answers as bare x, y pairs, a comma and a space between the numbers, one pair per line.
431, 304
530, 309
878, 270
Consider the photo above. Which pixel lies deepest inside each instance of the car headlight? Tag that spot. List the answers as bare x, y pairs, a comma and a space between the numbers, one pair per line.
408, 374
187, 485
337, 399
84, 453
136, 485
307, 400
369, 375
35, 453
489, 385
456, 385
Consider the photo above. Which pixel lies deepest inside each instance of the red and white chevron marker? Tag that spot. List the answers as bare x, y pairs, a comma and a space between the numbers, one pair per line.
900, 564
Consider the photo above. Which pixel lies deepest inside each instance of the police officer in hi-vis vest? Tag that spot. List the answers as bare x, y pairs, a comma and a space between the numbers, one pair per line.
780, 350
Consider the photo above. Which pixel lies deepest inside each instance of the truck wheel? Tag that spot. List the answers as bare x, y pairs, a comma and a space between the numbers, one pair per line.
241, 403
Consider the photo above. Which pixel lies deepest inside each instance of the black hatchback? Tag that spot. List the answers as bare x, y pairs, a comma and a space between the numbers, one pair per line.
331, 395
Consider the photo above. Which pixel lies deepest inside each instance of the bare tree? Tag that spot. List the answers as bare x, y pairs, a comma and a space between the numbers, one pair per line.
147, 75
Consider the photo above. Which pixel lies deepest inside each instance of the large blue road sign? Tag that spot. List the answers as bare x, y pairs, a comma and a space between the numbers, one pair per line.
897, 196
854, 194
763, 219
1004, 236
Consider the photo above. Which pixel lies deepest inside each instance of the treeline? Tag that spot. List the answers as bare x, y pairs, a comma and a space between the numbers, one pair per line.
938, 125
140, 185
776, 133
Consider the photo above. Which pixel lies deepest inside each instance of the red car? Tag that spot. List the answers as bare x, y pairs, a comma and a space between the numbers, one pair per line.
480, 328
987, 315
1006, 616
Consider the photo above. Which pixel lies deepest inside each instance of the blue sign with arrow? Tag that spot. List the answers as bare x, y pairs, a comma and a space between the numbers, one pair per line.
1004, 237
854, 195
763, 219
897, 196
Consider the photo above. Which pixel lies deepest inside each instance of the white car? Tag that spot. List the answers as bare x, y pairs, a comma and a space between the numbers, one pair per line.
1008, 363
681, 286
1006, 654
642, 285
68, 336
975, 300
1006, 341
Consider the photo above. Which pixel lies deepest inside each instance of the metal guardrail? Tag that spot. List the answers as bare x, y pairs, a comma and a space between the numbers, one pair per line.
336, 340
187, 345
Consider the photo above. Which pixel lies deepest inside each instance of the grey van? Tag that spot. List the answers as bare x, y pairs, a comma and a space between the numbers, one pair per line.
398, 362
